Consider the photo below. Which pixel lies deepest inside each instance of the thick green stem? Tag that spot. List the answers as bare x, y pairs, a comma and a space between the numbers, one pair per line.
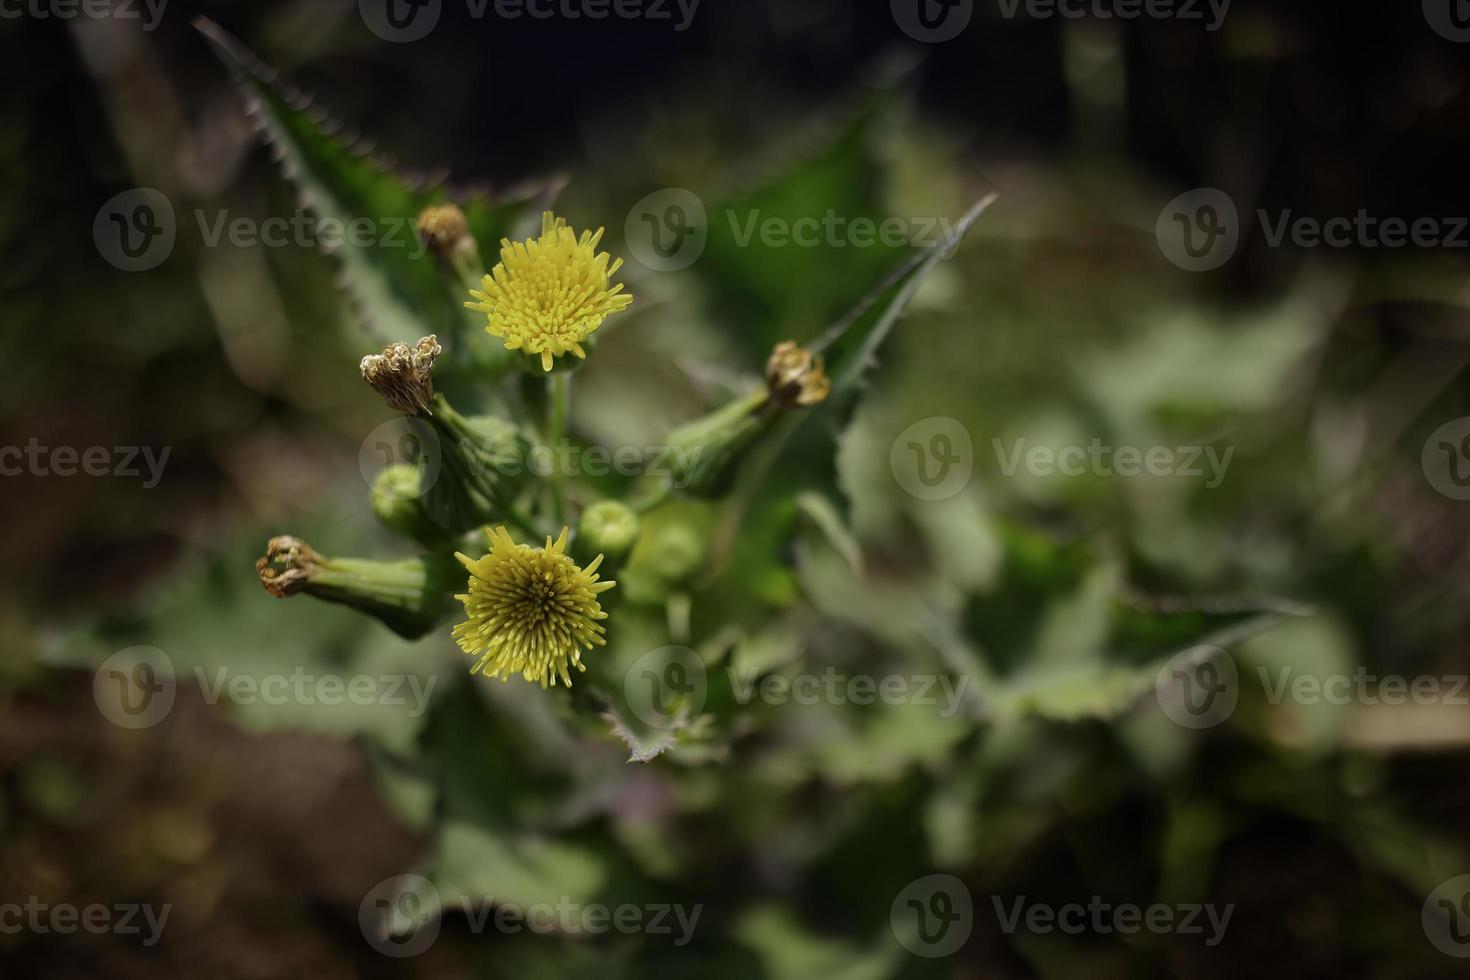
408, 596
558, 410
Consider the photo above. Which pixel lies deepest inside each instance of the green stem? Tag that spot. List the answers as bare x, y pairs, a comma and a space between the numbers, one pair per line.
560, 407
457, 435
409, 596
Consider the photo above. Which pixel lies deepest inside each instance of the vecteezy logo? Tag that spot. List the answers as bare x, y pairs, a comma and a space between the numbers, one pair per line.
933, 21
400, 21
135, 230
667, 230
933, 458
400, 916
401, 440
666, 687
1199, 230
134, 688
1199, 687
933, 916
1446, 917
1446, 459
1450, 19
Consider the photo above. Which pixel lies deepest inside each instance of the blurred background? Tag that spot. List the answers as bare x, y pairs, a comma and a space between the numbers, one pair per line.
1147, 277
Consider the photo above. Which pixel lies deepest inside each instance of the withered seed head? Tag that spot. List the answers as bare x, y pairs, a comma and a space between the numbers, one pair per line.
288, 564
795, 377
403, 375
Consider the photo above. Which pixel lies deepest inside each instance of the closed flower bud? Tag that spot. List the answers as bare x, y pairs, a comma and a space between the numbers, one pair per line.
609, 527
398, 501
444, 229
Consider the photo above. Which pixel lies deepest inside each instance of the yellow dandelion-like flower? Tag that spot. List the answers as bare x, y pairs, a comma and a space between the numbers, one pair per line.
549, 294
531, 610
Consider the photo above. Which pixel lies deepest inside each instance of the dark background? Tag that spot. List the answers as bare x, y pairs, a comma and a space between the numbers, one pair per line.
1318, 107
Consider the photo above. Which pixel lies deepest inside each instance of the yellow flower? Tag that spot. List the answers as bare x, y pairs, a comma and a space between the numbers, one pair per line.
549, 294
531, 610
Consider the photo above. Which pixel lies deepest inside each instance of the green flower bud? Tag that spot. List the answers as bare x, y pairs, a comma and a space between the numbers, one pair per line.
676, 551
398, 502
609, 528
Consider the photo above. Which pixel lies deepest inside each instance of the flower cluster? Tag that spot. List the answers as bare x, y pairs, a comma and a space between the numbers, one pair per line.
529, 611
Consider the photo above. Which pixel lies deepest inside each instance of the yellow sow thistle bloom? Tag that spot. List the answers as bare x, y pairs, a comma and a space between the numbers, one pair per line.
531, 610
549, 294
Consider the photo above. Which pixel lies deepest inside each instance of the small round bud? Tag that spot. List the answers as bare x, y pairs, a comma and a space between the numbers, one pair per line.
608, 527
398, 502
676, 552
444, 229
795, 377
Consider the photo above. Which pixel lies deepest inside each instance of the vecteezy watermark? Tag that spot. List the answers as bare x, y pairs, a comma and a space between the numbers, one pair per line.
304, 229
1098, 459
669, 229
933, 916
666, 688
402, 440
122, 919
933, 458
1363, 230
403, 21
1446, 459
135, 230
134, 688
35, 459
1198, 688
150, 12
834, 231
1211, 12
138, 229
1362, 687
413, 441
1102, 917
1201, 229
834, 687
1450, 19
1446, 917
399, 917
932, 21
300, 687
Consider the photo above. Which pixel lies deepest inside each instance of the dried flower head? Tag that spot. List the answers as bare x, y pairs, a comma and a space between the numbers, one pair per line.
287, 565
795, 377
531, 610
403, 375
549, 294
444, 229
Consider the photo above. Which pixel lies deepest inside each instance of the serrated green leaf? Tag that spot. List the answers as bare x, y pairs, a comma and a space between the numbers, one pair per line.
395, 287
